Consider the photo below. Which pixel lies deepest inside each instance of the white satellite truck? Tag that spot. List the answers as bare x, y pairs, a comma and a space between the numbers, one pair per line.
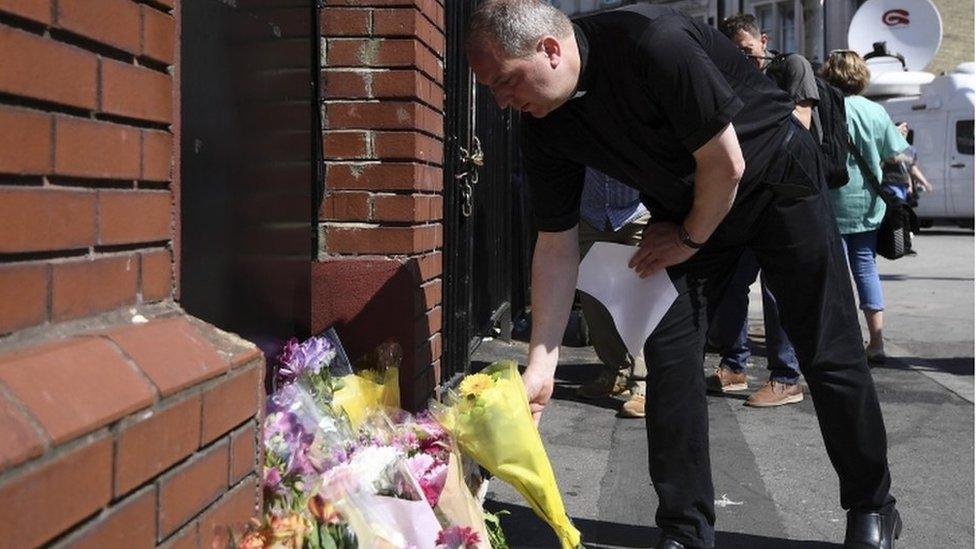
898, 38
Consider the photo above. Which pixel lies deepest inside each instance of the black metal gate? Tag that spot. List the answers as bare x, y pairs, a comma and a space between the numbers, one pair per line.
479, 266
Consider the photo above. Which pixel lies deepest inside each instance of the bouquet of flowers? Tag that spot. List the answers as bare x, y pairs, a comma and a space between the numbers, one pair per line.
489, 418
387, 480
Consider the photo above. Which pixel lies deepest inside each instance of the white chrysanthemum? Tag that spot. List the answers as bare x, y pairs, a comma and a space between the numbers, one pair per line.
374, 465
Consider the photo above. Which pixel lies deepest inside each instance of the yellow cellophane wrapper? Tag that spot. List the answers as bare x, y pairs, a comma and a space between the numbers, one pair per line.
496, 429
366, 391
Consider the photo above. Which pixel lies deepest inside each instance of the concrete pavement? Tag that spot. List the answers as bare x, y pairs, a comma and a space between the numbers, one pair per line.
775, 487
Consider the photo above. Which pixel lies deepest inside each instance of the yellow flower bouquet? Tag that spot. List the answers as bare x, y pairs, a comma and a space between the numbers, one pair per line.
364, 391
489, 418
374, 385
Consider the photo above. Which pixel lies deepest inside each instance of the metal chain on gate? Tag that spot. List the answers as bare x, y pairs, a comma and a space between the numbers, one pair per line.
470, 162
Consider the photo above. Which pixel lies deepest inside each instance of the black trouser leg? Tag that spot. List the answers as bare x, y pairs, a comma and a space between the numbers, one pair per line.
677, 426
798, 246
677, 413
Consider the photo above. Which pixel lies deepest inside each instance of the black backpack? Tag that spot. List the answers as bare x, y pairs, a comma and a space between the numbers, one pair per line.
833, 126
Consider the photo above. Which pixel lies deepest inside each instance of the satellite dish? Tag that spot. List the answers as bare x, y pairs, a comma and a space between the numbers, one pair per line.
910, 28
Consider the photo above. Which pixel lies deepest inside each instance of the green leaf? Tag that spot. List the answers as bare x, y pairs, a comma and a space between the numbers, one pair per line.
313, 541
496, 536
326, 536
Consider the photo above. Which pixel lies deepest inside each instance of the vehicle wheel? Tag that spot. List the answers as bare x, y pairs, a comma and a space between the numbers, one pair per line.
926, 223
965, 223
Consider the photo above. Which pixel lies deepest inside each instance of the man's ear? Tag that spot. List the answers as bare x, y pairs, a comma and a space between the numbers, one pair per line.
553, 50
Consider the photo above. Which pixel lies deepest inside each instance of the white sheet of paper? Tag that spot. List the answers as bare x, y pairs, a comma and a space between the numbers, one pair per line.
637, 305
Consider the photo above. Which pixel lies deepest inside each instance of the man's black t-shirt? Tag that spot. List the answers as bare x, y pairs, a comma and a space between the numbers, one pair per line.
654, 87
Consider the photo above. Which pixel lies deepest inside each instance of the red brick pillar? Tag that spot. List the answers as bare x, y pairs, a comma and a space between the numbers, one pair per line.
123, 422
379, 269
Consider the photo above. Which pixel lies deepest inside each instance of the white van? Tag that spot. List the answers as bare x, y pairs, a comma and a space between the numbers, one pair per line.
940, 117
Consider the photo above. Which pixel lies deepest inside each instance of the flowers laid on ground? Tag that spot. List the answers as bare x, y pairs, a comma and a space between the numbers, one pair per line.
490, 419
345, 468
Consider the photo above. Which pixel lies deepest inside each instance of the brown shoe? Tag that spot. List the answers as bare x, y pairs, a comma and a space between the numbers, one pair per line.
726, 381
634, 407
774, 393
606, 384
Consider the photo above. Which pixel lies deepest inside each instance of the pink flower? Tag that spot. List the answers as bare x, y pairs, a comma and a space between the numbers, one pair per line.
272, 480
430, 473
458, 537
433, 483
429, 426
288, 370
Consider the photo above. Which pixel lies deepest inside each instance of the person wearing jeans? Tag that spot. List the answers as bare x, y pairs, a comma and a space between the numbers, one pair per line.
858, 208
729, 334
861, 250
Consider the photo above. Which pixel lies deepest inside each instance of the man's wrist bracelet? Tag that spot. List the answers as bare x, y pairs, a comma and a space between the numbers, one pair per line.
686, 238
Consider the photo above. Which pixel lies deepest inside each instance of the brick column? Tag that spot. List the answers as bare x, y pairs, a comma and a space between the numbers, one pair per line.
123, 422
379, 269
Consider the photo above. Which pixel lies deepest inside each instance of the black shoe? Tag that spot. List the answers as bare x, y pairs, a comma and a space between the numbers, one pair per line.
872, 530
668, 543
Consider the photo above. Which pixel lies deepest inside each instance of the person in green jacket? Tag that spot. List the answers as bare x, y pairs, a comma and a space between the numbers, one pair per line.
857, 206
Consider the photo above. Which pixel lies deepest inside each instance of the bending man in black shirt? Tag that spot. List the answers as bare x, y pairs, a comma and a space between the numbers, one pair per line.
670, 107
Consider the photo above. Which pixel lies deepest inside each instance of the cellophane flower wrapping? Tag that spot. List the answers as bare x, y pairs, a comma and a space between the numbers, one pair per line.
459, 507
383, 481
375, 384
359, 394
489, 417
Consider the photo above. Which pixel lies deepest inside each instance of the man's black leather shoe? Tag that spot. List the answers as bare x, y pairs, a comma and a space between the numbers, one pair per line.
872, 530
668, 543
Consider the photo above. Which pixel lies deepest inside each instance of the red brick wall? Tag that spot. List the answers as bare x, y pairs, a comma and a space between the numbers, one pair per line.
103, 436
383, 146
85, 158
114, 432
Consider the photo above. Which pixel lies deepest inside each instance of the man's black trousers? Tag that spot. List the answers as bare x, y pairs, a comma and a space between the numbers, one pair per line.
799, 249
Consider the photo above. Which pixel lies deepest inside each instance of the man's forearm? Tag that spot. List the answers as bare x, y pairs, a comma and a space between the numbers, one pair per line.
717, 175
714, 193
918, 175
554, 269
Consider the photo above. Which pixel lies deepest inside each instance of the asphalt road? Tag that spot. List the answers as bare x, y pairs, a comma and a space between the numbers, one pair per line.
775, 487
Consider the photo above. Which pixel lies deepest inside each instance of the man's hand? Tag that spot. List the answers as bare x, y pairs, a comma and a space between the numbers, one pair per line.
538, 387
660, 247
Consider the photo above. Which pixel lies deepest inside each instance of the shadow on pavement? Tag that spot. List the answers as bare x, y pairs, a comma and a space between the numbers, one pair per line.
901, 277
738, 395
960, 366
526, 531
565, 392
570, 376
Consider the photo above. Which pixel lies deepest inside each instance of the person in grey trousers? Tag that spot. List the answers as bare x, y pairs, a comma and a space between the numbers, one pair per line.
611, 212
